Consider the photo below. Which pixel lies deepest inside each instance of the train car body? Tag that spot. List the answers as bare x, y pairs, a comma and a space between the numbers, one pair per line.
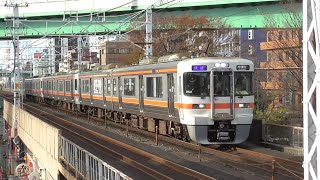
208, 100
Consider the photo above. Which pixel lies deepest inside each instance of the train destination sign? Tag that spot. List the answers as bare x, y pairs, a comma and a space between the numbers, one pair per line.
199, 67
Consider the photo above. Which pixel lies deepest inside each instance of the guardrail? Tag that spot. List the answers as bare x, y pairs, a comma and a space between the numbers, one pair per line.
283, 134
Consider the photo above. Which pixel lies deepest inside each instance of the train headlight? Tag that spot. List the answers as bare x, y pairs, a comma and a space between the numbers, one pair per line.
221, 64
198, 106
244, 105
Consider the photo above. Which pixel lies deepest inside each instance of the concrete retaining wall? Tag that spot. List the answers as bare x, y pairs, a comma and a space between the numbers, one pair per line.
41, 139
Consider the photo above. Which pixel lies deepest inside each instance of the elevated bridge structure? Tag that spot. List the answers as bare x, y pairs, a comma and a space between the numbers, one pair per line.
79, 17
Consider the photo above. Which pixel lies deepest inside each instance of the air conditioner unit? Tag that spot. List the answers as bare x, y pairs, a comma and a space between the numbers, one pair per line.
250, 34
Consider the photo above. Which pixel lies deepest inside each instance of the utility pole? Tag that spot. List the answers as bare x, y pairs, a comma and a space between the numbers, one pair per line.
16, 70
148, 53
79, 52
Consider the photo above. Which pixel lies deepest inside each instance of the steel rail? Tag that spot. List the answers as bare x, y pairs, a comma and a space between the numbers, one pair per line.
174, 166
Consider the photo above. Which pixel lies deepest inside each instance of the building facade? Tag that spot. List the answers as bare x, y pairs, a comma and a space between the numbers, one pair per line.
283, 66
117, 52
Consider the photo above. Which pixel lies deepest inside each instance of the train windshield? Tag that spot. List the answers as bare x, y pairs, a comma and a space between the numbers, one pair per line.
243, 83
196, 84
221, 83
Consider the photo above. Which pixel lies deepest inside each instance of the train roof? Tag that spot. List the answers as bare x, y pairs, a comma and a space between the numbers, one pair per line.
166, 65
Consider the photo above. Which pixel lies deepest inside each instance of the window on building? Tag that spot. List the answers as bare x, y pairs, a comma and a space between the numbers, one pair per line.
280, 35
154, 87
113, 51
288, 35
294, 34
114, 85
270, 36
124, 50
270, 56
129, 86
280, 56
60, 85
97, 86
68, 86
85, 86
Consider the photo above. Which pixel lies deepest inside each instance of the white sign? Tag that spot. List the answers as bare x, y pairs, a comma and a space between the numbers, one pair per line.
22, 171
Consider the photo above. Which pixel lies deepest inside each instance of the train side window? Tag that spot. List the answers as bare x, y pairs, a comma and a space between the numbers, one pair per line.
85, 86
108, 86
41, 85
68, 86
49, 85
97, 86
129, 86
114, 82
55, 85
60, 85
154, 87
76, 84
44, 85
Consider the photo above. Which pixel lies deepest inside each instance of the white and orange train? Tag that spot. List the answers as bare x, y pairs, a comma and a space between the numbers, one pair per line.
208, 100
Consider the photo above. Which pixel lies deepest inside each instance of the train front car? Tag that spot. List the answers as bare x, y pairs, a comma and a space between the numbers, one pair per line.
215, 99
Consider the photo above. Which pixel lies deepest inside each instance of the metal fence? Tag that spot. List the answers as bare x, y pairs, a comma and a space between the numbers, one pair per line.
85, 165
284, 135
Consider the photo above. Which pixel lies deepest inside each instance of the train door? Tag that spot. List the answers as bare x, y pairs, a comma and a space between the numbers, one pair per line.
170, 94
120, 92
141, 93
71, 88
91, 89
76, 92
113, 91
222, 93
104, 90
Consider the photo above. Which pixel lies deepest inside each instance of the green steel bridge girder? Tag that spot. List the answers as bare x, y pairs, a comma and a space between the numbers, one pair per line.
245, 16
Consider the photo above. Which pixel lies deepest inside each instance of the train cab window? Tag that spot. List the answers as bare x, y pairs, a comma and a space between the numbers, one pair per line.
154, 87
222, 83
97, 86
60, 85
129, 86
196, 84
85, 86
68, 86
114, 85
243, 83
76, 84
108, 86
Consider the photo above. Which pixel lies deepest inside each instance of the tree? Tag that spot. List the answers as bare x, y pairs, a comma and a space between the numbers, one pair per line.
282, 91
186, 33
284, 52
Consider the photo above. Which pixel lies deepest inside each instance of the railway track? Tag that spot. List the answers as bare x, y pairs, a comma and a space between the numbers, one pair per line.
259, 162
149, 164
